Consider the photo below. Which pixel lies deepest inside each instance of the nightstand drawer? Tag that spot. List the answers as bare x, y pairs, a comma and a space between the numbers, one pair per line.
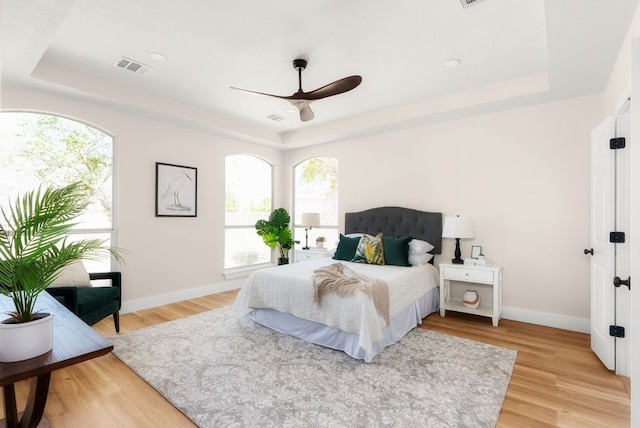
302, 255
306, 255
468, 274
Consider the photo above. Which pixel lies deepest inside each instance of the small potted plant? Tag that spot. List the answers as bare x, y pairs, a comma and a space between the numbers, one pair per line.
276, 232
320, 240
34, 249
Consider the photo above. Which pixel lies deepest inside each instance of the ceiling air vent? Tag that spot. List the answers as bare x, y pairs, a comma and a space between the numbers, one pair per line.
276, 117
131, 65
467, 3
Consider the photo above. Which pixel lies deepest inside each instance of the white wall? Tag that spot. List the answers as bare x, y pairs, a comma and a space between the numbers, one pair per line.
522, 175
169, 259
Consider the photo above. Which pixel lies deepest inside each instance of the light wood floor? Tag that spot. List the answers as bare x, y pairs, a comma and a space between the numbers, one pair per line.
557, 381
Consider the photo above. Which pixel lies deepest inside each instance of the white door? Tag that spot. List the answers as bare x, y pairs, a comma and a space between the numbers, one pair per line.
602, 259
609, 213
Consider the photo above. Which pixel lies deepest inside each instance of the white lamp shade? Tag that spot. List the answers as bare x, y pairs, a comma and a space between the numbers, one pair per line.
311, 219
457, 227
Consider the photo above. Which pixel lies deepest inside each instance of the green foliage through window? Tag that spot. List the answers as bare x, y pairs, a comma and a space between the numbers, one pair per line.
53, 151
321, 170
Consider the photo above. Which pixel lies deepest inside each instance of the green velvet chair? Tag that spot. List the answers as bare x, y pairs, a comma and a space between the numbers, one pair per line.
92, 304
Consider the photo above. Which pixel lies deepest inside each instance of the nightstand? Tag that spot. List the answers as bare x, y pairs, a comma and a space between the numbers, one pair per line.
479, 278
310, 254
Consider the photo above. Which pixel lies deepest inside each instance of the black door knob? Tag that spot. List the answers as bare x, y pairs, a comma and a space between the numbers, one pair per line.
618, 282
589, 251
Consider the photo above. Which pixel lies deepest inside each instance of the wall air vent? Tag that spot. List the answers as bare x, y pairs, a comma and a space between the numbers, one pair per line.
276, 117
131, 65
468, 3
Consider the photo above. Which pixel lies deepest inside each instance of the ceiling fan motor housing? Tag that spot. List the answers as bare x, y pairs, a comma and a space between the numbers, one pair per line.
299, 64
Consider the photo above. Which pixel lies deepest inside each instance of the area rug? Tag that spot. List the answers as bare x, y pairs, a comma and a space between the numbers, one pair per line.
225, 371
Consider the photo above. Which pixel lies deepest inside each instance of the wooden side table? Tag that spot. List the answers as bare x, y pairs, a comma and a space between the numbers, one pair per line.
73, 342
479, 276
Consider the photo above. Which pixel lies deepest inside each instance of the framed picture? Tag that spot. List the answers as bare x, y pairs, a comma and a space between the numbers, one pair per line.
176, 190
476, 250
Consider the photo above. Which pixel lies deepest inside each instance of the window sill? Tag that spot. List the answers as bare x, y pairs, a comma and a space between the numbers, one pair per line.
242, 271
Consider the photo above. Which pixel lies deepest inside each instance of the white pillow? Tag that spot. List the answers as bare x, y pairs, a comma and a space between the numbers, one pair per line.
416, 246
74, 275
420, 259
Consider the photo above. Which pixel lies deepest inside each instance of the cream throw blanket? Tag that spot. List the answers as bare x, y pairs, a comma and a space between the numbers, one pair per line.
338, 278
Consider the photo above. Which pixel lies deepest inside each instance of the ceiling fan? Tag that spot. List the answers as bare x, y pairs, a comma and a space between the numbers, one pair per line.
301, 99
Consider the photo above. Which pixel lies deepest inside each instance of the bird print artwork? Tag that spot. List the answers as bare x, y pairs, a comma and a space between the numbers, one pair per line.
176, 190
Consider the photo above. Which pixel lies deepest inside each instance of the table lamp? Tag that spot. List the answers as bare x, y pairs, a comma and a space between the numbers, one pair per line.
458, 228
308, 221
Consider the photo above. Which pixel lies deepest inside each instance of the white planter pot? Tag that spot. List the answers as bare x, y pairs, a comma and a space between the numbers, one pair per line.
26, 340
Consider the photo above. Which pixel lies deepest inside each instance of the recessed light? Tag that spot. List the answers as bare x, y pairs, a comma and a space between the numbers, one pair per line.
450, 63
157, 56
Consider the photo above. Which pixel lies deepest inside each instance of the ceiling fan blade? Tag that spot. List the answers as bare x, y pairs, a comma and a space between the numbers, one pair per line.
260, 93
335, 88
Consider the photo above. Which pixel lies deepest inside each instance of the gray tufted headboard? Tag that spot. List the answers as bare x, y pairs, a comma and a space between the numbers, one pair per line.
397, 221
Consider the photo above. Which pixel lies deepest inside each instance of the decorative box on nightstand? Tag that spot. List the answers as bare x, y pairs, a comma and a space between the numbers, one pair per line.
310, 254
476, 278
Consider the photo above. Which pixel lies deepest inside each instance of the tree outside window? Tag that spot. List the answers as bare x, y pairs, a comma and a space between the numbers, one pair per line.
46, 150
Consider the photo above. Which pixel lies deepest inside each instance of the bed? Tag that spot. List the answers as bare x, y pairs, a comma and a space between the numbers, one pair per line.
282, 297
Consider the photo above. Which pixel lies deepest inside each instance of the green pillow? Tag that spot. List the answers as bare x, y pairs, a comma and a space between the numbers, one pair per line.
346, 248
396, 250
370, 250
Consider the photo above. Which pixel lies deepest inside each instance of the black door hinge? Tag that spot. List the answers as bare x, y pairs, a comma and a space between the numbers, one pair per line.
616, 237
616, 331
617, 143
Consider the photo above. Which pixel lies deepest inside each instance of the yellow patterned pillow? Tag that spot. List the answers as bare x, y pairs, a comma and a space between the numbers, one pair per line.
370, 250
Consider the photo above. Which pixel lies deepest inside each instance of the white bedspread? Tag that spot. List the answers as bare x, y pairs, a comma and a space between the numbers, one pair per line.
289, 289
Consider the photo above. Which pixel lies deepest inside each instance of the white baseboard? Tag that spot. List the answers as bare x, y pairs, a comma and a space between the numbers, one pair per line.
516, 314
563, 322
179, 296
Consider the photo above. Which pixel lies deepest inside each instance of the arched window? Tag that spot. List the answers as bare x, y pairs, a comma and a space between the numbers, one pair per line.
316, 191
45, 150
248, 192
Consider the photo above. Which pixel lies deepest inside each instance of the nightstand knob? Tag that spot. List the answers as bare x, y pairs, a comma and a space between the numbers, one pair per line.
589, 251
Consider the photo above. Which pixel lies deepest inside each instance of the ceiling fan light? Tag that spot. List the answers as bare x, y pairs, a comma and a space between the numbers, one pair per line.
157, 56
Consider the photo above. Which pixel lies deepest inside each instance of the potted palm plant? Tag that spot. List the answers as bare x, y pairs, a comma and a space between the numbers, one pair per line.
276, 232
34, 248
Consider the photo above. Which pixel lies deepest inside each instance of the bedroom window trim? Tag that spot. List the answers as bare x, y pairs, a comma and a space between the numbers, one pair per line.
327, 228
247, 211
